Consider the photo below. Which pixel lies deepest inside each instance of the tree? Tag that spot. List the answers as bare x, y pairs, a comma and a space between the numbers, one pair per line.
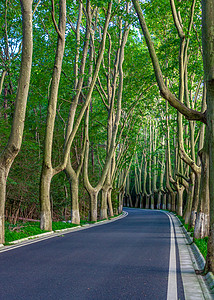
47, 170
14, 143
45, 186
208, 59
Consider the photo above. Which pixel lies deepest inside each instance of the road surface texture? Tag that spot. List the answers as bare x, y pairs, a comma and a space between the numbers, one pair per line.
130, 258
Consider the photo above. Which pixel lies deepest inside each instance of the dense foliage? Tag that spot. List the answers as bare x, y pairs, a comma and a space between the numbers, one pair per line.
115, 138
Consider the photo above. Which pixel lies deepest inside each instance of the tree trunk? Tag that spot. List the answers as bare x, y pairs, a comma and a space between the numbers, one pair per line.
141, 200
208, 59
120, 208
75, 215
45, 206
147, 201
202, 220
152, 201
188, 206
111, 212
179, 206
137, 201
164, 201
93, 206
130, 200
169, 202
173, 197
103, 210
47, 170
195, 201
3, 180
201, 229
159, 199
15, 140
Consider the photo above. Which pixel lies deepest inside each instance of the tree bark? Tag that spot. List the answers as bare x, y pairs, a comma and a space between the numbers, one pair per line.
46, 218
93, 205
195, 201
111, 212
15, 140
179, 206
75, 215
201, 229
162, 172
208, 59
164, 201
3, 180
103, 210
190, 193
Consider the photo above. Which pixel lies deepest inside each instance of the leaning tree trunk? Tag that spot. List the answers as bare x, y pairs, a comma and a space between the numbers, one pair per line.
15, 140
208, 59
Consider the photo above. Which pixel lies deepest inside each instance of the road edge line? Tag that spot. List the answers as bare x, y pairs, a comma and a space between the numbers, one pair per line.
206, 282
172, 290
52, 234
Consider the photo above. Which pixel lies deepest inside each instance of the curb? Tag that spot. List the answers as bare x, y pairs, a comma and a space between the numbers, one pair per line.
56, 233
31, 237
209, 277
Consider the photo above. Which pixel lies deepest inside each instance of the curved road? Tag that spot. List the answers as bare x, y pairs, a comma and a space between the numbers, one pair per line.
125, 259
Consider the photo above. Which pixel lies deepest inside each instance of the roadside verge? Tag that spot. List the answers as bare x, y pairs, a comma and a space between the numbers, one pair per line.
191, 257
51, 234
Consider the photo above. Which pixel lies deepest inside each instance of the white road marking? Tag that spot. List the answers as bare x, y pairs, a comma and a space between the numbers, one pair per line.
172, 291
58, 234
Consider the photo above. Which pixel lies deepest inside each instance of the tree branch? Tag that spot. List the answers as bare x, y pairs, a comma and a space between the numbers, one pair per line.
54, 20
164, 91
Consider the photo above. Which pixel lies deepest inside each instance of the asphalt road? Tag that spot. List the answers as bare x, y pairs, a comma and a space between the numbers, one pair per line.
125, 259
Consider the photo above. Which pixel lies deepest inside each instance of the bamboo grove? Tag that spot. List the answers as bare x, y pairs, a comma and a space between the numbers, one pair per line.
117, 100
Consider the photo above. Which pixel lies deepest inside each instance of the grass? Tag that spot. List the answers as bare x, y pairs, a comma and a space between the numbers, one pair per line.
115, 216
62, 225
21, 230
25, 229
202, 245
